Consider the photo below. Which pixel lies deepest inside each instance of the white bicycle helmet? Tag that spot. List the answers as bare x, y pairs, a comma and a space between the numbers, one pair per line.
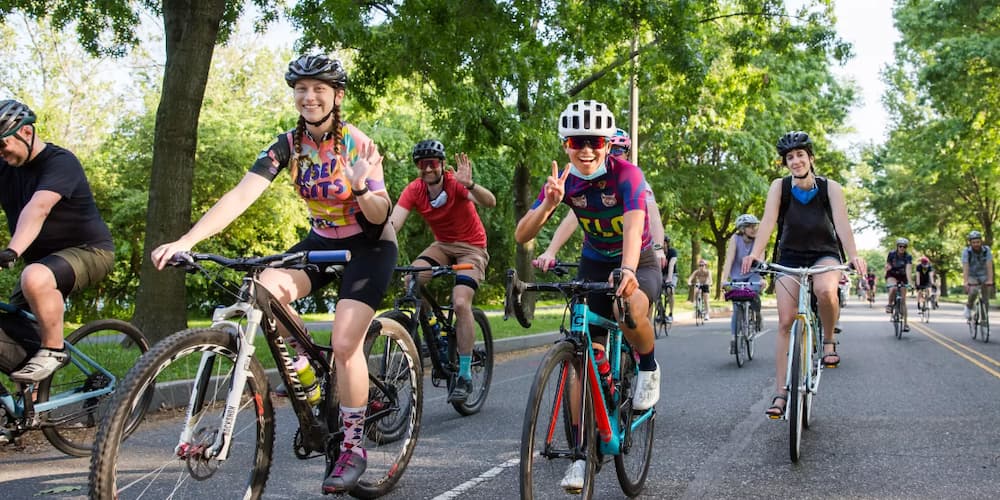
587, 118
746, 220
974, 235
903, 241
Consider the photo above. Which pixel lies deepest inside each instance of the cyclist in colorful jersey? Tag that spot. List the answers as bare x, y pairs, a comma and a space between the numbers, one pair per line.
55, 228
337, 170
977, 269
810, 238
898, 269
739, 246
447, 201
607, 195
924, 281
620, 147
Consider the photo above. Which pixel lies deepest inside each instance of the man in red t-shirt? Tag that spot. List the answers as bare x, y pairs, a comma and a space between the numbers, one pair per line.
446, 200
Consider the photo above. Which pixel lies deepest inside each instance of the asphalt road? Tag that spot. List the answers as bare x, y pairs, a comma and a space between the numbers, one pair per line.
913, 418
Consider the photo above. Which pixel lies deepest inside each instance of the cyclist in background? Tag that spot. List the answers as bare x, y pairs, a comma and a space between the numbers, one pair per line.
739, 246
898, 269
870, 280
55, 228
977, 269
936, 290
809, 237
670, 274
337, 170
606, 194
447, 201
924, 281
701, 279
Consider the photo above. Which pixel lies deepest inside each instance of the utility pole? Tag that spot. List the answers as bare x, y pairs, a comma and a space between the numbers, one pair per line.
634, 104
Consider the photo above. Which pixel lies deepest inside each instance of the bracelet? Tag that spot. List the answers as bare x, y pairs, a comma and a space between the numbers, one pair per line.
629, 269
359, 192
657, 246
470, 186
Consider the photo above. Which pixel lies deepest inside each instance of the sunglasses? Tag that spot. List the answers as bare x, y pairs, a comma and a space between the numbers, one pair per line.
900, 246
429, 164
582, 141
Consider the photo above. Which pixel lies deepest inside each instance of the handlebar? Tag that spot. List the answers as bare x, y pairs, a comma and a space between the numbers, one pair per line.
770, 267
516, 288
436, 270
294, 260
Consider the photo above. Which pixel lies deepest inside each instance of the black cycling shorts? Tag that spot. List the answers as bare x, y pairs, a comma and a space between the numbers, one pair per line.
366, 277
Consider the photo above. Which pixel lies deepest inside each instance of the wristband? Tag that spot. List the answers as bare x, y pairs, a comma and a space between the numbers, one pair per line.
470, 186
657, 247
629, 269
359, 192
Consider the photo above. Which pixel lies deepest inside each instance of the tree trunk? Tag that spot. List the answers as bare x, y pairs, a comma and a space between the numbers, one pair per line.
525, 252
191, 29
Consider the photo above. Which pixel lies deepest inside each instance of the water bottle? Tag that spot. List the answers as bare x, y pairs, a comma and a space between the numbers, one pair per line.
307, 376
603, 366
442, 337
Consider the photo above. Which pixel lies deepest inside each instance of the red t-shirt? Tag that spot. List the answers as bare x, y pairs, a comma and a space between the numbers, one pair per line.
456, 222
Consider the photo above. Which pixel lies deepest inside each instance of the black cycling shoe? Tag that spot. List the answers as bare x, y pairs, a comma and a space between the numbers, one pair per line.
346, 472
460, 391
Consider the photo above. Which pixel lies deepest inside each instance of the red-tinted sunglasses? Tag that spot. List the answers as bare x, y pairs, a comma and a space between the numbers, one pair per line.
582, 141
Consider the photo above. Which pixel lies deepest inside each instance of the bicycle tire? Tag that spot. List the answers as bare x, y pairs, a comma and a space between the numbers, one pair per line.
974, 320
147, 464
751, 339
699, 313
812, 363
72, 428
795, 393
547, 451
394, 361
897, 317
636, 443
984, 321
482, 366
661, 327
739, 334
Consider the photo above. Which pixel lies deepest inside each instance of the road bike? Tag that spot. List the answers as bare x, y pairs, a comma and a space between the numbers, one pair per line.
871, 296
898, 312
700, 308
805, 353
924, 304
746, 319
662, 316
979, 316
68, 405
216, 418
607, 425
440, 343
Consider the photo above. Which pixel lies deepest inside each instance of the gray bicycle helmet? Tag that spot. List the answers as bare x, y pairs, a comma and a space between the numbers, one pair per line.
318, 67
13, 116
746, 220
903, 241
428, 148
794, 140
974, 235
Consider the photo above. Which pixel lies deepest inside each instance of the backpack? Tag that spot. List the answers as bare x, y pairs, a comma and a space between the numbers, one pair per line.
786, 199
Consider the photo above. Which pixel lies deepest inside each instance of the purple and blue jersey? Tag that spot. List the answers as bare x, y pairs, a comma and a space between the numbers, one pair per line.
600, 205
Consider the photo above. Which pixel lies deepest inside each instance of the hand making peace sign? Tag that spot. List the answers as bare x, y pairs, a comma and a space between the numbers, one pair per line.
555, 185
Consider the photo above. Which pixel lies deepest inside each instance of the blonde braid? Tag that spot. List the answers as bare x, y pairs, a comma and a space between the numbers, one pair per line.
337, 136
300, 128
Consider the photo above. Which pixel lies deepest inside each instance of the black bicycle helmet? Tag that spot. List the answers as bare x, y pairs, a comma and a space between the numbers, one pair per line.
428, 148
319, 67
13, 116
794, 140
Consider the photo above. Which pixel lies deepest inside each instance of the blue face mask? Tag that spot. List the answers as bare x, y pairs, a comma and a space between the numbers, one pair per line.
603, 169
440, 199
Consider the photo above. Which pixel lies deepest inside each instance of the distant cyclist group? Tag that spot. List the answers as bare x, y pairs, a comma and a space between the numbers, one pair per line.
338, 172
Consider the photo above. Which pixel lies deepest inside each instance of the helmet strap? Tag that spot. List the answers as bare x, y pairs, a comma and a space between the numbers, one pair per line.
321, 120
801, 176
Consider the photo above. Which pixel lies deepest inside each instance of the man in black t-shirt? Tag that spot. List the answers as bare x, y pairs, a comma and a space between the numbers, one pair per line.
670, 274
55, 228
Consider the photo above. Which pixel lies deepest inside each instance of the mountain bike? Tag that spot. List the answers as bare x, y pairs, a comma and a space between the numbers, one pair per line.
898, 317
700, 308
440, 341
805, 353
68, 406
746, 326
662, 318
607, 424
979, 319
217, 419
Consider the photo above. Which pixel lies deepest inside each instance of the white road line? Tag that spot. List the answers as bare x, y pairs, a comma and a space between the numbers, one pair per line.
472, 483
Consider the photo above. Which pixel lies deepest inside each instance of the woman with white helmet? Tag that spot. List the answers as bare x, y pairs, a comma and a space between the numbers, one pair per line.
607, 195
739, 246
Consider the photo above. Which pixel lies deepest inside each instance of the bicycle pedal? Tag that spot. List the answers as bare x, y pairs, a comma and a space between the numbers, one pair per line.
775, 417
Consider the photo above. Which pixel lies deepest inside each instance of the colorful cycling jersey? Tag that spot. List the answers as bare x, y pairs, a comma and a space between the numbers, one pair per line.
599, 205
321, 180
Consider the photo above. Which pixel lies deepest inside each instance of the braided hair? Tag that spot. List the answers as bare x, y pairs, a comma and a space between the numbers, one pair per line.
300, 129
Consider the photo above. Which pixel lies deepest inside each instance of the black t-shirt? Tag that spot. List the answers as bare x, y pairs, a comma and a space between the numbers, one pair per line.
671, 254
74, 220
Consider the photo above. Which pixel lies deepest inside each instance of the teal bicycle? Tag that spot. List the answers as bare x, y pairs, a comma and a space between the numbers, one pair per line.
603, 414
69, 405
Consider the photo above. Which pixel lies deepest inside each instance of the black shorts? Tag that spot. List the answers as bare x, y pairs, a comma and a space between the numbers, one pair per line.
791, 258
900, 277
648, 273
366, 277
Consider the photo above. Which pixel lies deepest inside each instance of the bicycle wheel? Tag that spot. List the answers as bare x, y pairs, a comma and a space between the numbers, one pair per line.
812, 363
974, 320
752, 337
984, 321
632, 463
897, 319
150, 463
660, 316
740, 333
482, 366
395, 403
795, 392
546, 450
112, 345
699, 313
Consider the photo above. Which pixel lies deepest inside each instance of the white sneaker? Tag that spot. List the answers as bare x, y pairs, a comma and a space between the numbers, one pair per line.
647, 390
572, 482
41, 366
707, 317
966, 312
